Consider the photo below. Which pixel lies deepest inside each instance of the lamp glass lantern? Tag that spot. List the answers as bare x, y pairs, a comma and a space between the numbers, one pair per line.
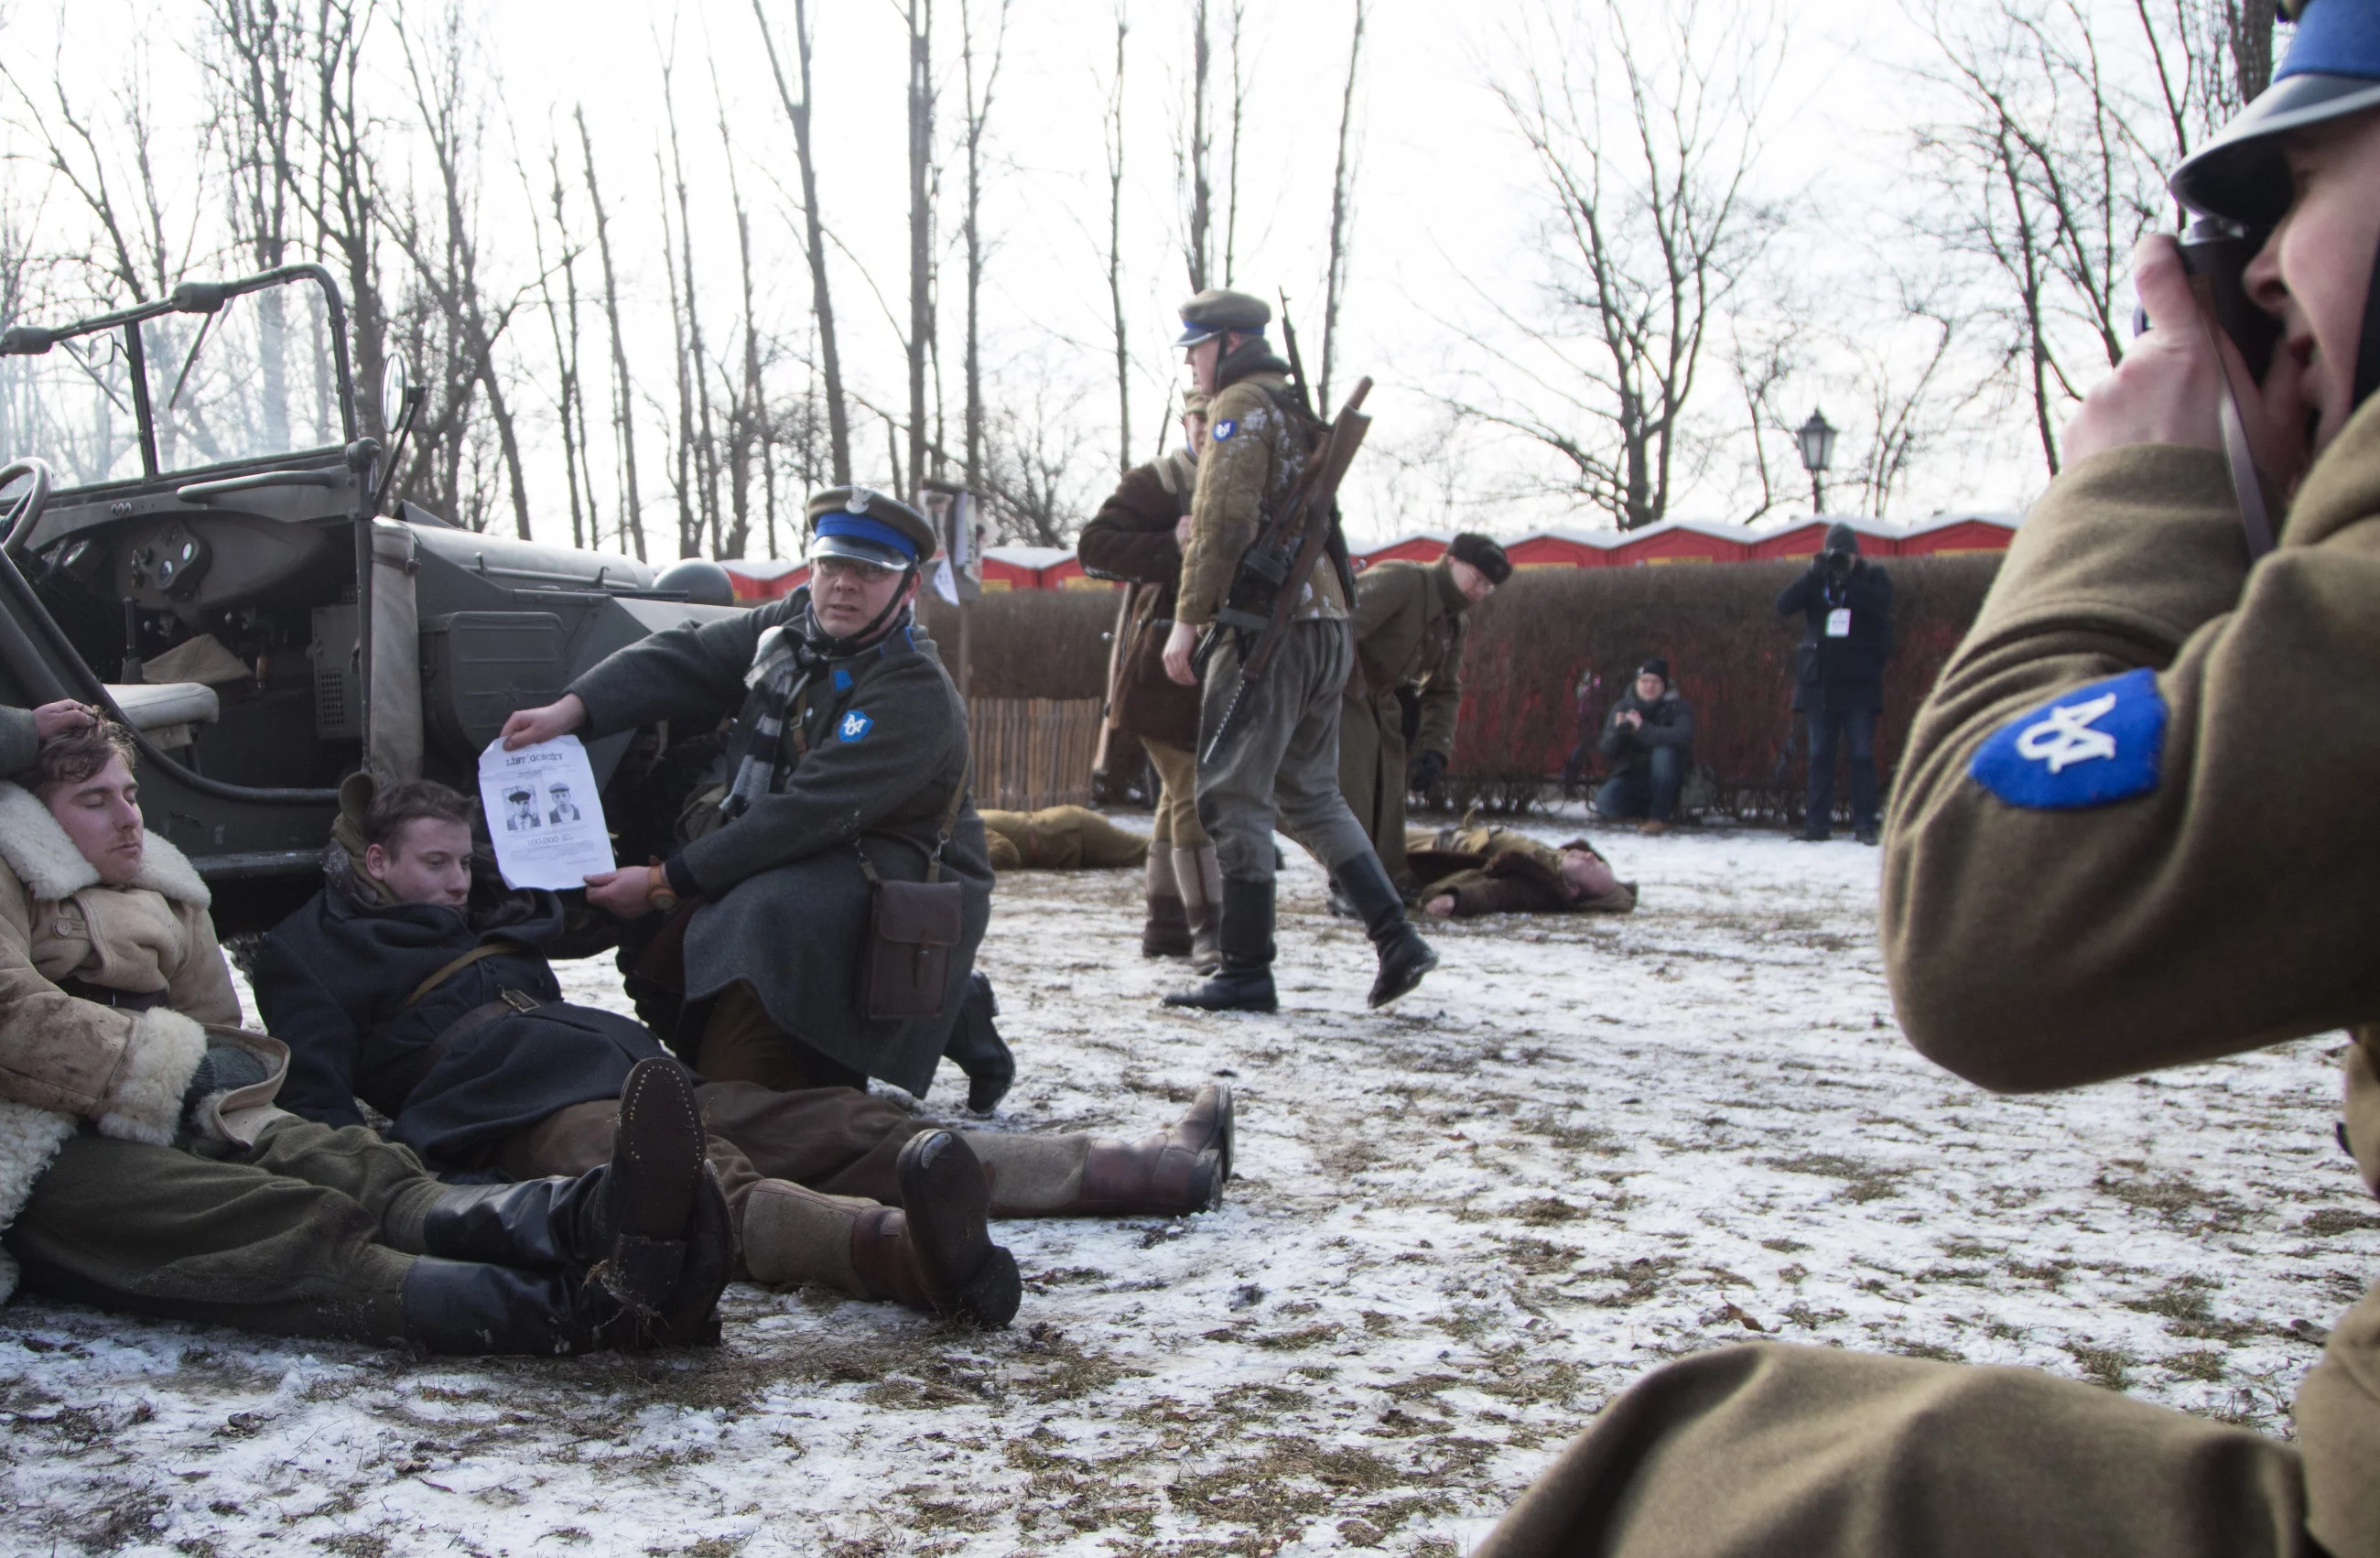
1816, 438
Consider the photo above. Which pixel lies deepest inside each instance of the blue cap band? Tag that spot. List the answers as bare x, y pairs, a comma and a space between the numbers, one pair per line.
2335, 38
864, 527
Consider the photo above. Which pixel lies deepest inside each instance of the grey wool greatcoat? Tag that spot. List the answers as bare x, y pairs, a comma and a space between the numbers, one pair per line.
784, 903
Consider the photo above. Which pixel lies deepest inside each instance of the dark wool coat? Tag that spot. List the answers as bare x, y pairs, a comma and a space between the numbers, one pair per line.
1668, 723
1839, 676
332, 981
1131, 539
784, 904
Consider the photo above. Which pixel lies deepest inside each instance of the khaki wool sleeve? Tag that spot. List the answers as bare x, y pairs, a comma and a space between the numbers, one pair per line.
1224, 514
1442, 697
2229, 906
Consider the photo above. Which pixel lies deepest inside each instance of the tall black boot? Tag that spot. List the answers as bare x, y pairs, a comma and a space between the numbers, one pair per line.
1405, 956
469, 1309
976, 1046
638, 1224
1244, 982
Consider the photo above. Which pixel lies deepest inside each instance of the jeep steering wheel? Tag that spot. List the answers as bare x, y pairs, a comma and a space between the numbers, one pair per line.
27, 512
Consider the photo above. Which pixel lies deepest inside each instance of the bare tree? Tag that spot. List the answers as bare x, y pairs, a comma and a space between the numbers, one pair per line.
749, 434
692, 372
978, 113
1645, 151
821, 301
1343, 196
1239, 115
565, 336
920, 15
623, 423
1114, 132
1195, 159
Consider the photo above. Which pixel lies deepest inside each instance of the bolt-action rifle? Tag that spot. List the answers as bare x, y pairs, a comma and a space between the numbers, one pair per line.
1273, 571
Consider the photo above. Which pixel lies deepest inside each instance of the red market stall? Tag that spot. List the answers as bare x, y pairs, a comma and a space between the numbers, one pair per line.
765, 578
1950, 534
1561, 549
1682, 540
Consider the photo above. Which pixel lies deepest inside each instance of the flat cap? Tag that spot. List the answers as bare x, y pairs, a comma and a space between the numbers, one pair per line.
1482, 552
867, 527
1218, 309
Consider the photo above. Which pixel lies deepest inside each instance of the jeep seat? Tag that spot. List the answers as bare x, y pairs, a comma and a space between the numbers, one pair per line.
164, 712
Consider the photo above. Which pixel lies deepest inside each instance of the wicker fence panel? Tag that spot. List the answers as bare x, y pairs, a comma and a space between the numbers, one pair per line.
1032, 752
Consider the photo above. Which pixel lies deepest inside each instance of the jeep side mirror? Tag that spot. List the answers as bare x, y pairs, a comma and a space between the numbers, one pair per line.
396, 402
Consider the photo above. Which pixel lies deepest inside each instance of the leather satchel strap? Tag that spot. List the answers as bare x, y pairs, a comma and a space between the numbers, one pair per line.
485, 949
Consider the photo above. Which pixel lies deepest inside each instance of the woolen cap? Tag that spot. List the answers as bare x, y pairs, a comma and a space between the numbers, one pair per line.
1842, 538
1218, 310
1482, 552
1656, 666
869, 527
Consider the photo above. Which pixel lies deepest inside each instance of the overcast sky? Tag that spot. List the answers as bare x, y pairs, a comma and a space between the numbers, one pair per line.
1445, 201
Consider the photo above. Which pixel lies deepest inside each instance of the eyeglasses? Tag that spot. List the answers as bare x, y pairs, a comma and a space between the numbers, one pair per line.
840, 567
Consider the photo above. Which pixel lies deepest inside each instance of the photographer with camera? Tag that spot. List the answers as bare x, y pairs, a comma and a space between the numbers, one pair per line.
1838, 674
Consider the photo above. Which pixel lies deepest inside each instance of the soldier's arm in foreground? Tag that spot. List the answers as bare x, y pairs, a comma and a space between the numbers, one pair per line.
1131, 537
903, 767
693, 673
1232, 478
2230, 903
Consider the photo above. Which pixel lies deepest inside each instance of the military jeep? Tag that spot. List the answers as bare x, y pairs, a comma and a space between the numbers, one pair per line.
199, 539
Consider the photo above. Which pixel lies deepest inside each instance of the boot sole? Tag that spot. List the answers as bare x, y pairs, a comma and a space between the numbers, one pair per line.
657, 1157
945, 1199
1191, 1003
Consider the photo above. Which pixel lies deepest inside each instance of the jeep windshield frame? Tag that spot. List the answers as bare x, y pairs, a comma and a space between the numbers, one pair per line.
150, 362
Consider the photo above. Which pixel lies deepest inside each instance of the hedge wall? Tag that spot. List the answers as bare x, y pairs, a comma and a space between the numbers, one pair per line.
1733, 656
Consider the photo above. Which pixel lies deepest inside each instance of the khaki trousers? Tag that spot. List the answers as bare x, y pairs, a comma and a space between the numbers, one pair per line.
310, 1232
742, 1043
1177, 797
1805, 1452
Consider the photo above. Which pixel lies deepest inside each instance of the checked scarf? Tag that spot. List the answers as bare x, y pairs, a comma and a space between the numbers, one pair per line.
783, 666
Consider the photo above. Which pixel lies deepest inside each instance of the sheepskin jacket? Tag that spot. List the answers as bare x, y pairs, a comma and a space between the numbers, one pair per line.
64, 1061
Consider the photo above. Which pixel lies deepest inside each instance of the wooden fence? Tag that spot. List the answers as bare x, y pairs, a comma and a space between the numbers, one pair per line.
1032, 752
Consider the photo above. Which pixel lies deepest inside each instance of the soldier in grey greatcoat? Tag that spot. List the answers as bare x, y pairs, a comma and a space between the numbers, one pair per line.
850, 743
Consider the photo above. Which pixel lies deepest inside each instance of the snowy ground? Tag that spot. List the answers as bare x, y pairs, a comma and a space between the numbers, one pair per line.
1583, 1147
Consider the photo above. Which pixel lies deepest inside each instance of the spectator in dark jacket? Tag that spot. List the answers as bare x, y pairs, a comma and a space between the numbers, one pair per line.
1846, 603
1648, 739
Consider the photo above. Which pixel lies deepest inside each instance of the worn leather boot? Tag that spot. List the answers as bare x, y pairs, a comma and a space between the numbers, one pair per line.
1165, 924
1242, 981
1405, 956
628, 1225
933, 1251
1201, 876
976, 1046
1180, 1169
469, 1309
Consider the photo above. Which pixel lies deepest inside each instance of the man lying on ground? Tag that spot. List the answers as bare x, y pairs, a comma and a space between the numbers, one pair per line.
421, 988
1060, 838
143, 1166
1474, 870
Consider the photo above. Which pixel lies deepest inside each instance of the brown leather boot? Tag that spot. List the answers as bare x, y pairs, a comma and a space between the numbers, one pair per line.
1167, 1174
1200, 877
1165, 928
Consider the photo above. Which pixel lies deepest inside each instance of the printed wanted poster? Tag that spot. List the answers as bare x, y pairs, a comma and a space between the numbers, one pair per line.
543, 813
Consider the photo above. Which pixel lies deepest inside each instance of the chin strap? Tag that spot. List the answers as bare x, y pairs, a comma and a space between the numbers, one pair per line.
2367, 353
2247, 482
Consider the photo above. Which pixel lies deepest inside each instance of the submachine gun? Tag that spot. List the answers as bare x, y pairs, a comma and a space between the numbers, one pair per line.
1273, 571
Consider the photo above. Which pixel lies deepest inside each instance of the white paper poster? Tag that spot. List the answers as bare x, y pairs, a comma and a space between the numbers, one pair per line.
544, 814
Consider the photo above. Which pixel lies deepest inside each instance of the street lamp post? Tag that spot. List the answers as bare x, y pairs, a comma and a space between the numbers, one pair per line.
1818, 441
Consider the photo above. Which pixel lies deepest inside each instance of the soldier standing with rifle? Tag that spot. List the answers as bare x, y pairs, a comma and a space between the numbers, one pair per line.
1277, 653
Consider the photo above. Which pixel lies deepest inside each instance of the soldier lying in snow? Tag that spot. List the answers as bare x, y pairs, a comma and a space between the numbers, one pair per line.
1060, 838
423, 988
1474, 870
143, 1167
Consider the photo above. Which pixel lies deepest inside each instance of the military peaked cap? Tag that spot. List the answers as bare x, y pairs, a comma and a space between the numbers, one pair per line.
1218, 309
1482, 552
867, 527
